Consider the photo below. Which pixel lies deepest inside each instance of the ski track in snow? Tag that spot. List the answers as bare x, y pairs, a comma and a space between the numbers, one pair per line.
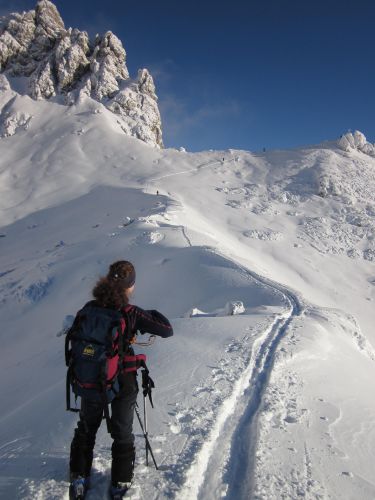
224, 464
202, 479
184, 233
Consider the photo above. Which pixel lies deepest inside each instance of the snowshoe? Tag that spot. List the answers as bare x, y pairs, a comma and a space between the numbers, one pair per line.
78, 488
119, 490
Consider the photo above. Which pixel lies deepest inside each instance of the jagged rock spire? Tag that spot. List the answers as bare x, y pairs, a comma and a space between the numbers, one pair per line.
107, 66
48, 19
60, 61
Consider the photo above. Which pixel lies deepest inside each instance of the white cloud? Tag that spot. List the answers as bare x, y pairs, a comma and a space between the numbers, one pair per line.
178, 117
163, 71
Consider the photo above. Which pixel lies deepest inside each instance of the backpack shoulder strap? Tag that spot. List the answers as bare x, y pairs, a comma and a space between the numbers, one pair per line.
69, 335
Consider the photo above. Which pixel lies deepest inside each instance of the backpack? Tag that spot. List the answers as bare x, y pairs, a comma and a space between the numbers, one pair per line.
96, 353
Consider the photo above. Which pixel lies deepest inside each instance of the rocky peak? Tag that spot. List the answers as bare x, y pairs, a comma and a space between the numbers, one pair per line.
108, 67
48, 19
70, 59
60, 61
146, 83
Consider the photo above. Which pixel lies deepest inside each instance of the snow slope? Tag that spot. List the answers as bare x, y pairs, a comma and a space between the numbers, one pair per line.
272, 402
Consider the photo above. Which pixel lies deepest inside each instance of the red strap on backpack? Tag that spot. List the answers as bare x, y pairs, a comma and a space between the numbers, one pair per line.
133, 363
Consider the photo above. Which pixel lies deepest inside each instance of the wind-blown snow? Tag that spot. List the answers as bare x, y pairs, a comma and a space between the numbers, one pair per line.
263, 262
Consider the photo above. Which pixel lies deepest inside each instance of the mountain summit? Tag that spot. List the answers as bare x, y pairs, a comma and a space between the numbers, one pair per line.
59, 61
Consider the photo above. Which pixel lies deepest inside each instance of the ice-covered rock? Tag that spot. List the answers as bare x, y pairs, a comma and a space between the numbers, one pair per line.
359, 139
368, 148
16, 34
107, 66
146, 83
137, 105
263, 234
13, 122
4, 83
343, 143
194, 311
150, 237
42, 83
233, 308
71, 61
356, 141
57, 61
48, 19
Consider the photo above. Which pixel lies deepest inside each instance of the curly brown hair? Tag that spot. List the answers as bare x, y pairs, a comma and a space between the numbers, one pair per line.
110, 290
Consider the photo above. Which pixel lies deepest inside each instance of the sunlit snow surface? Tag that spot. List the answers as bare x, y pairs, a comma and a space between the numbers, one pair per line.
274, 400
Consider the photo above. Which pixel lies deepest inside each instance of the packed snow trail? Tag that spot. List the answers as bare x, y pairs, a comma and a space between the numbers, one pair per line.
240, 465
195, 169
235, 427
224, 464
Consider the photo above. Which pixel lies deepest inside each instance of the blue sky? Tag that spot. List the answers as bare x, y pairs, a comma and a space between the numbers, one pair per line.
241, 73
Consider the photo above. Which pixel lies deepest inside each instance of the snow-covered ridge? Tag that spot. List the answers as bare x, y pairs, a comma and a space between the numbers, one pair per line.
54, 60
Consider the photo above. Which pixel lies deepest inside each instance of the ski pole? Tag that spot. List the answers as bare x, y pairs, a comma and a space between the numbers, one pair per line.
145, 421
148, 446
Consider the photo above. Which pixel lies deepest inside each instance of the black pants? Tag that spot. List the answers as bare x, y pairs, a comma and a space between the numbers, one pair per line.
123, 450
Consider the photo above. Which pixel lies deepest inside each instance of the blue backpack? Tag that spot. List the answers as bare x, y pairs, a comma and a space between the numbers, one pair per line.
97, 351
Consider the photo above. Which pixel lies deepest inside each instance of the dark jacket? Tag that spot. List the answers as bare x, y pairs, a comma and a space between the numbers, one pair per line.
143, 321
152, 321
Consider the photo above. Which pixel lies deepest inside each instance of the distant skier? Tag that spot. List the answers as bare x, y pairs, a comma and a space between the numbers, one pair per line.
112, 294
157, 193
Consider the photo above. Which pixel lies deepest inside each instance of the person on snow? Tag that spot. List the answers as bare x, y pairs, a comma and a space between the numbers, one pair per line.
113, 292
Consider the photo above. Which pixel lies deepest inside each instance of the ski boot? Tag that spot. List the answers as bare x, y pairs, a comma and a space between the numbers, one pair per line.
78, 488
118, 491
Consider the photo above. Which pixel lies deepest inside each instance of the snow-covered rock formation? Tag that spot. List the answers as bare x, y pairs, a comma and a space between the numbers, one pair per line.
357, 141
59, 61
